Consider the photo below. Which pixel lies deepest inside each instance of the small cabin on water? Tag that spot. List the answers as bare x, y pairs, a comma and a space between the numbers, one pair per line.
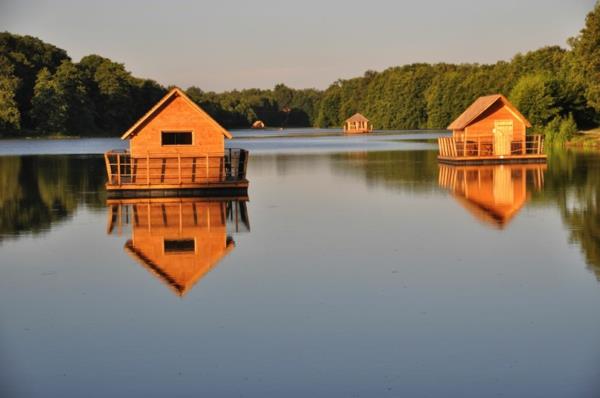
491, 130
176, 146
259, 124
357, 124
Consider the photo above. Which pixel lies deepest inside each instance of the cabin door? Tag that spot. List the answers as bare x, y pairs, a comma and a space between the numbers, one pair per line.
503, 135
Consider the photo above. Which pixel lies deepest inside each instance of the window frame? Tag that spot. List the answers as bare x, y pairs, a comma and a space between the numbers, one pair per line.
191, 132
170, 251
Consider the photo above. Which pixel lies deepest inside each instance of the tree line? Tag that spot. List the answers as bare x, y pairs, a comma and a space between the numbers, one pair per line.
42, 91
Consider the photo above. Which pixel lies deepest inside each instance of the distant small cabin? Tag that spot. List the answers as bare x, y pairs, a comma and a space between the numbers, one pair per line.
357, 124
176, 145
259, 124
493, 130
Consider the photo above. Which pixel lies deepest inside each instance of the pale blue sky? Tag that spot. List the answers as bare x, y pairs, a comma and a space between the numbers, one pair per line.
220, 45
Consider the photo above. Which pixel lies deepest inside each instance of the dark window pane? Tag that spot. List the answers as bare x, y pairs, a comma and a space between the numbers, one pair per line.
176, 138
179, 245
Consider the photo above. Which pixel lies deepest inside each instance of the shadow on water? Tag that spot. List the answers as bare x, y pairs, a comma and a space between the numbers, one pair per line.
39, 191
178, 240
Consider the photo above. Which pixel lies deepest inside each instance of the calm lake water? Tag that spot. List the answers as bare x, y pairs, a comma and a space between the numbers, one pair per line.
358, 267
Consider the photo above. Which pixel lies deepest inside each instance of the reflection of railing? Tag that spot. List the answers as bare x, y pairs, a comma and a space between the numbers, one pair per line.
175, 169
452, 147
177, 214
353, 128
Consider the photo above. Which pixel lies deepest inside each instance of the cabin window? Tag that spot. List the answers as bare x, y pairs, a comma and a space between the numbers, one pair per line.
179, 245
176, 138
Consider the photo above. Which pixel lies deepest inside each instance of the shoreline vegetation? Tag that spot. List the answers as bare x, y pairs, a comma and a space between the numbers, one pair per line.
585, 139
44, 93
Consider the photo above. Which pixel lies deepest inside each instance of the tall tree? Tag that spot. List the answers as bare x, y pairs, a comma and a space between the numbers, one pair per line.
28, 55
534, 96
49, 109
10, 117
586, 49
60, 103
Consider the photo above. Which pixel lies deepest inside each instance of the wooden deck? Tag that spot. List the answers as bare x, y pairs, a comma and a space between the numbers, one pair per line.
176, 175
453, 151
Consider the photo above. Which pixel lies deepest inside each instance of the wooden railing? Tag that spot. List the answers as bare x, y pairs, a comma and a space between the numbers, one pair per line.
451, 147
175, 169
177, 214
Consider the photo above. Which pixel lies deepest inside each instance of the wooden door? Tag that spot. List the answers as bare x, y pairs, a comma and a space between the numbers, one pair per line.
503, 135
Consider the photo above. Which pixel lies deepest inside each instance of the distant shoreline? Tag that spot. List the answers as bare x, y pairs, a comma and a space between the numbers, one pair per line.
269, 133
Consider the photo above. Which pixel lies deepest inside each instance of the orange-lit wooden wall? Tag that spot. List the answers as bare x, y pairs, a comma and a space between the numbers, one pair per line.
357, 127
177, 115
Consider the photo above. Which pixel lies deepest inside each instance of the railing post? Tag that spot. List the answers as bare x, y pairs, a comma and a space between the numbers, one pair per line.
207, 167
147, 168
107, 164
119, 168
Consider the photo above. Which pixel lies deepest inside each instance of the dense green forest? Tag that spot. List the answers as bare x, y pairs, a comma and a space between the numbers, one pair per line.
42, 91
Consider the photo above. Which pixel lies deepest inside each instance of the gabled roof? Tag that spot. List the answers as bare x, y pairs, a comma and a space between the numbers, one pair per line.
179, 287
175, 92
357, 117
497, 216
480, 105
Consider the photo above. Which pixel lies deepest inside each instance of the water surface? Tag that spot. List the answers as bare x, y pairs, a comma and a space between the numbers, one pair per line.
358, 267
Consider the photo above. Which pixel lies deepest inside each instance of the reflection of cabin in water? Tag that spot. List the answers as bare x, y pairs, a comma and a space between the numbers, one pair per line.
491, 130
492, 193
259, 124
176, 146
178, 240
357, 124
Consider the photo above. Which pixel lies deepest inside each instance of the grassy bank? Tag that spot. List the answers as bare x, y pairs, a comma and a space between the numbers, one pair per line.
586, 139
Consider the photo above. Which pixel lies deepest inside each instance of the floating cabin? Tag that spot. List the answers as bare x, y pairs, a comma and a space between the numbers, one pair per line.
178, 240
493, 193
357, 124
259, 124
174, 148
491, 130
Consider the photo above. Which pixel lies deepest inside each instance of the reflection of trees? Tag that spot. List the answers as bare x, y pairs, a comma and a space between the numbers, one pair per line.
414, 171
573, 183
36, 192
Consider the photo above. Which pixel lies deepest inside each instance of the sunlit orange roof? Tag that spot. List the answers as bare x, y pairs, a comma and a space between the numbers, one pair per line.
480, 105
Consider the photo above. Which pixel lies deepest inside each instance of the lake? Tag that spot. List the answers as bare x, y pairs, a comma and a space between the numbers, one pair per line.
358, 267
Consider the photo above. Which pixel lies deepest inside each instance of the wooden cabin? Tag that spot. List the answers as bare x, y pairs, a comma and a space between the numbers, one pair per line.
491, 130
259, 124
178, 240
357, 124
494, 194
176, 146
